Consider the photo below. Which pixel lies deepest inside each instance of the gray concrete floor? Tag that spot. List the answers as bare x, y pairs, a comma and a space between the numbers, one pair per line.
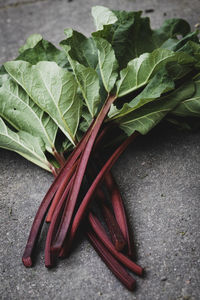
159, 177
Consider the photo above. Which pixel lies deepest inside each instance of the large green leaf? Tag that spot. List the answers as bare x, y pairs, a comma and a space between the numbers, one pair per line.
140, 70
176, 44
83, 49
159, 84
122, 34
84, 52
170, 29
190, 107
86, 76
192, 36
3, 75
30, 147
21, 112
43, 51
88, 81
103, 16
145, 118
31, 42
131, 35
86, 120
193, 49
53, 89
37, 49
108, 64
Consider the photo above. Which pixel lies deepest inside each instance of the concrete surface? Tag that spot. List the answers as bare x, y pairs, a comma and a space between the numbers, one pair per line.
159, 177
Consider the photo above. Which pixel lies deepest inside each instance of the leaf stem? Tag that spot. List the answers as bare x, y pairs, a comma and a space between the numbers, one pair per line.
119, 209
60, 191
80, 171
113, 227
42, 211
118, 270
89, 195
60, 159
55, 220
102, 235
37, 224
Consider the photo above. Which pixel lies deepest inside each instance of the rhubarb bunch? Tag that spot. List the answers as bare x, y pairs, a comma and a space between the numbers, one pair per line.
74, 111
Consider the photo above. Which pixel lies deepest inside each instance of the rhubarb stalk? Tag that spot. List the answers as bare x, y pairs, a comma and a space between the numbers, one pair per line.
102, 235
113, 227
80, 173
88, 197
56, 219
60, 191
119, 210
117, 269
44, 206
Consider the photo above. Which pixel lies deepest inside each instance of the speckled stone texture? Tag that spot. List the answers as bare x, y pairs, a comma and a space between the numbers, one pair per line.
159, 177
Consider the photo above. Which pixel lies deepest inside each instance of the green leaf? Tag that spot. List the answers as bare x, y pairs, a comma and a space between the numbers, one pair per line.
88, 81
86, 120
103, 16
22, 113
31, 42
140, 70
131, 35
159, 84
44, 51
193, 36
108, 64
66, 146
170, 29
190, 107
83, 49
176, 44
86, 77
23, 143
181, 125
53, 89
145, 118
192, 49
3, 75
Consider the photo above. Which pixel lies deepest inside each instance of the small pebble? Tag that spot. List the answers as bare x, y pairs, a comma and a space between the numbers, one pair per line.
150, 10
163, 278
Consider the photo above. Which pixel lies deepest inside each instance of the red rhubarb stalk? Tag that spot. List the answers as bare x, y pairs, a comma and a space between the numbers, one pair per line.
56, 218
59, 192
113, 227
88, 197
60, 159
119, 210
38, 222
118, 270
116, 199
80, 173
101, 135
102, 235
44, 206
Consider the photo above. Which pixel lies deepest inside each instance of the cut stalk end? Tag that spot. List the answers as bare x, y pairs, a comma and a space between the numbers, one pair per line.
27, 261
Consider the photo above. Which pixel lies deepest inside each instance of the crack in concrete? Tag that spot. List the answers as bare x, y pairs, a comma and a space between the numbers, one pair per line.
20, 3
